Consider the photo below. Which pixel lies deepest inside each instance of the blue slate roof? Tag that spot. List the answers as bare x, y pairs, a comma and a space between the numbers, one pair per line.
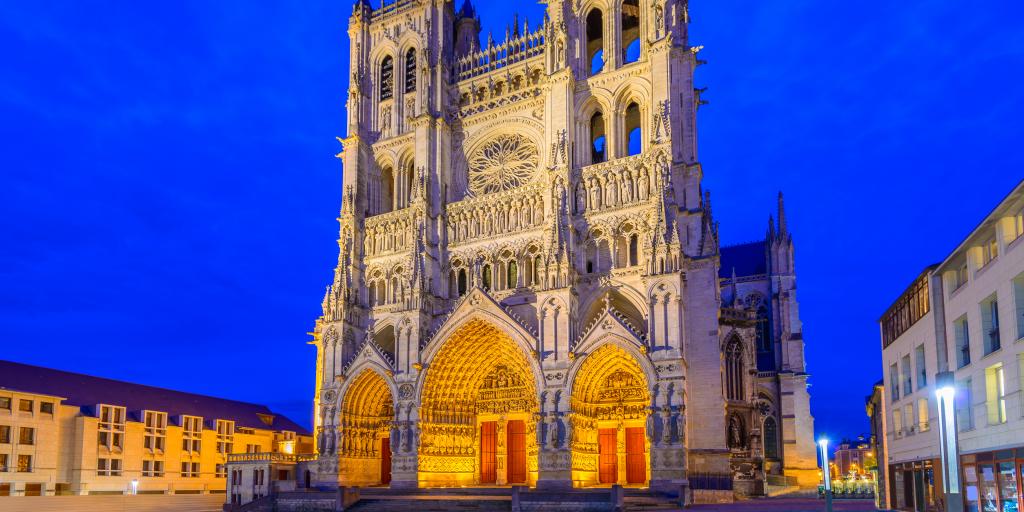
749, 259
86, 391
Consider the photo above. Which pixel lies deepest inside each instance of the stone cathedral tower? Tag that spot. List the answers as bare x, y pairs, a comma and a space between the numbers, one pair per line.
530, 287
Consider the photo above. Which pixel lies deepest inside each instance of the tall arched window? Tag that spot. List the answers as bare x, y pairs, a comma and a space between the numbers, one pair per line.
604, 256
595, 41
771, 438
386, 191
387, 78
598, 142
536, 270
487, 277
766, 352
410, 70
512, 275
634, 132
634, 242
630, 31
734, 370
462, 282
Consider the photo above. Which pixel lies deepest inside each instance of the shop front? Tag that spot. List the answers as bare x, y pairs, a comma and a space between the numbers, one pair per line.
993, 480
915, 485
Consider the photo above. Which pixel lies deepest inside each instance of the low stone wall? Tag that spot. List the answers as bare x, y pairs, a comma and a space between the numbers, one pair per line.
122, 503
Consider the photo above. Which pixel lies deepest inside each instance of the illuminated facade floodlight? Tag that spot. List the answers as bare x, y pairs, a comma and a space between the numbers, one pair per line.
135, 486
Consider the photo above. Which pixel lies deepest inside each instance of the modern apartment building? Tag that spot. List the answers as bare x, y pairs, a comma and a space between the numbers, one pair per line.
68, 433
965, 315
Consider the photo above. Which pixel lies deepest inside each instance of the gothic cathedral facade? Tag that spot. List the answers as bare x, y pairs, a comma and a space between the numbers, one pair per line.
530, 288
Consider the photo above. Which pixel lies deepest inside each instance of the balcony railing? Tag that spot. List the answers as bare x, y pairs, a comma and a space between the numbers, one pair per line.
271, 457
499, 56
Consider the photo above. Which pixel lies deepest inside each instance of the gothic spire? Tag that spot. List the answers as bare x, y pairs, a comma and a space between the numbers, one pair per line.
782, 217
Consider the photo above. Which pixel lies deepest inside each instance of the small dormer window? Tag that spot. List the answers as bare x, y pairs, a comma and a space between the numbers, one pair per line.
267, 419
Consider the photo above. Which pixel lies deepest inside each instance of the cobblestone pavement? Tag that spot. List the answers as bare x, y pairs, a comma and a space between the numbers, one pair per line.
787, 505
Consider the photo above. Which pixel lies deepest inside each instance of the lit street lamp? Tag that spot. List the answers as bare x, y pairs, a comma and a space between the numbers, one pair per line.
945, 392
827, 473
135, 486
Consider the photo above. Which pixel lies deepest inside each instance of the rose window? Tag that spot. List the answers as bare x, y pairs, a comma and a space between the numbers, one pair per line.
503, 163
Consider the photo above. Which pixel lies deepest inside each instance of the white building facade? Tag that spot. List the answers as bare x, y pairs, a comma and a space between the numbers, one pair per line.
974, 327
530, 288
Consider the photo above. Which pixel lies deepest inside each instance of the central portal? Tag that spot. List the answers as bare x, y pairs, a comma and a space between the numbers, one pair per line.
477, 414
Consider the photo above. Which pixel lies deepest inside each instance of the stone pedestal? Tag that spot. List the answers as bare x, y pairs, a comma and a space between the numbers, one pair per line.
554, 470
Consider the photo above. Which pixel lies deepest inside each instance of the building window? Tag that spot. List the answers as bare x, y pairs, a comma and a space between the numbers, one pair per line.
111, 427
595, 41
995, 394
46, 407
921, 366
190, 470
963, 342
922, 415
27, 435
990, 324
221, 471
25, 405
108, 467
225, 437
4, 462
894, 382
897, 422
24, 463
191, 434
5, 403
156, 430
908, 417
634, 132
734, 370
962, 402
153, 468
1018, 304
907, 381
5, 434
960, 277
598, 141
487, 277
771, 439
989, 251
1018, 224
907, 310
387, 78
630, 31
410, 71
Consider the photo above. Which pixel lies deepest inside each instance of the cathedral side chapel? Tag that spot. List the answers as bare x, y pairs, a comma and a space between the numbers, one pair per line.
530, 287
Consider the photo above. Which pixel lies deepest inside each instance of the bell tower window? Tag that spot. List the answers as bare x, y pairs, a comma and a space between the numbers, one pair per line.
630, 31
634, 133
595, 41
598, 142
387, 78
410, 70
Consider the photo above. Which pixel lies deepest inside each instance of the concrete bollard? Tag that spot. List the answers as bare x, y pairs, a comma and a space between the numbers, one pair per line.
516, 507
347, 496
685, 499
618, 498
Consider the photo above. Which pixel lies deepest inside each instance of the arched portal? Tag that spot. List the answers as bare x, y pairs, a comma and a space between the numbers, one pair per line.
367, 411
476, 415
610, 399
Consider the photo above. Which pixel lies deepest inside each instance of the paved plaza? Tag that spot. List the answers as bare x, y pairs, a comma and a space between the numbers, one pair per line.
786, 505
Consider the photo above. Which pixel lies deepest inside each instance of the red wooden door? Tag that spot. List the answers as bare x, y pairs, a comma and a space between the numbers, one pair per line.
489, 452
516, 451
385, 460
636, 463
608, 460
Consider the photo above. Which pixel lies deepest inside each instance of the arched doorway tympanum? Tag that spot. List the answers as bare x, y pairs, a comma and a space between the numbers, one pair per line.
367, 411
610, 402
477, 412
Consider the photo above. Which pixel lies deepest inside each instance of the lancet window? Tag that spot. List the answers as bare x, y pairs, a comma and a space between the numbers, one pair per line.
630, 31
595, 41
387, 78
734, 370
410, 70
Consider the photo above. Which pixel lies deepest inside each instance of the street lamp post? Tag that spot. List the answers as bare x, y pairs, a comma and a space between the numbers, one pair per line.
945, 392
826, 472
135, 486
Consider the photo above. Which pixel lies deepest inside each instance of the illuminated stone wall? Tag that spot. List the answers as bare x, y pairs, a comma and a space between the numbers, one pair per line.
524, 237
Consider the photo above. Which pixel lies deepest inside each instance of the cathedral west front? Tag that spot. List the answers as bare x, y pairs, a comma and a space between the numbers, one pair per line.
530, 287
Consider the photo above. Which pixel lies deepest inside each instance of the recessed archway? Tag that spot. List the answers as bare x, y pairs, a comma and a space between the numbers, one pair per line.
476, 414
364, 450
609, 402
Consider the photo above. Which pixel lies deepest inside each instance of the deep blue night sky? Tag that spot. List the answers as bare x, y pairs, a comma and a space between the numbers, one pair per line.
169, 186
